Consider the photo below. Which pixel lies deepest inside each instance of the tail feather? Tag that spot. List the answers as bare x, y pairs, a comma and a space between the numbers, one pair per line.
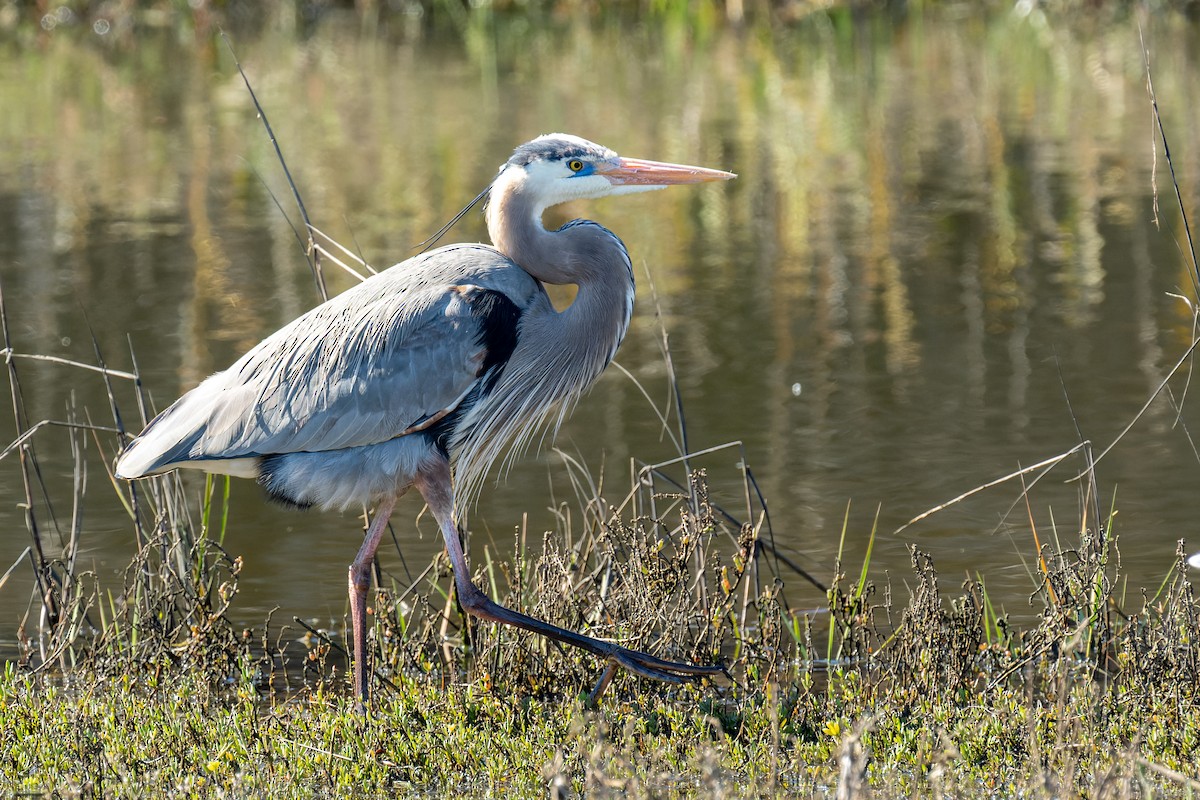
146, 455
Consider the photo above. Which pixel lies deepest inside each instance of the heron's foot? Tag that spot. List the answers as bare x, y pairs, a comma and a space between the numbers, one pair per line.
649, 666
645, 665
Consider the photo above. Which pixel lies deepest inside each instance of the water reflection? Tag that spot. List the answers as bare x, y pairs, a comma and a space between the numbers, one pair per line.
942, 232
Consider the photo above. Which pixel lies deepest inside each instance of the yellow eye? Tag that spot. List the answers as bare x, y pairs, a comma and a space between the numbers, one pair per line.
575, 165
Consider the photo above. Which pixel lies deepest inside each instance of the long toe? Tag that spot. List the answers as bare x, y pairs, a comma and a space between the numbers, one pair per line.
657, 665
627, 661
648, 666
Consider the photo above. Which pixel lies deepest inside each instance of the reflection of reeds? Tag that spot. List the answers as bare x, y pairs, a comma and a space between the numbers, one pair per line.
841, 156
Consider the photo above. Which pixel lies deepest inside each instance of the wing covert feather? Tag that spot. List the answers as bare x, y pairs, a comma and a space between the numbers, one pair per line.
373, 363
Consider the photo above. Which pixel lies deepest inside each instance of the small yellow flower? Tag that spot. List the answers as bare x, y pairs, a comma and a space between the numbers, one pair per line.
832, 728
213, 766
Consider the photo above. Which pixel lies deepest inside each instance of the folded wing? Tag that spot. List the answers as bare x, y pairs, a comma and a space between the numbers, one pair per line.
388, 358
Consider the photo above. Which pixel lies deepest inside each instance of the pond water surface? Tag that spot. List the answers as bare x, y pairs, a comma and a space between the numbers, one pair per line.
942, 260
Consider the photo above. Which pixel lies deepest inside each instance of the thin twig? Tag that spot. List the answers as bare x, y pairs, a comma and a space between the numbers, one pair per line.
653, 469
1187, 229
326, 640
662, 418
1183, 780
318, 750
313, 230
1145, 406
1037, 543
315, 261
7, 352
24, 554
43, 575
664, 345
1024, 471
349, 270
432, 240
1091, 465
24, 439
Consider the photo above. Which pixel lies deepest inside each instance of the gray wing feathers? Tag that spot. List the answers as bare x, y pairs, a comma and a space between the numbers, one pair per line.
376, 362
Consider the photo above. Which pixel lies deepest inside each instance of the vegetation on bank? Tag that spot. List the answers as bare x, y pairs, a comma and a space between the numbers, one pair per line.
154, 690
929, 696
175, 734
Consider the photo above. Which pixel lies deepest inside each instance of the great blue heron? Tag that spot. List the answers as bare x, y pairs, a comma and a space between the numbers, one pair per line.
454, 356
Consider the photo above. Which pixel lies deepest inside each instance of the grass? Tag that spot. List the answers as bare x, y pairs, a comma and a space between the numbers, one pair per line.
928, 695
938, 709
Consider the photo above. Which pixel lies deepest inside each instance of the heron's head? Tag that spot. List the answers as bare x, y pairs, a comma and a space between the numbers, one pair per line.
557, 167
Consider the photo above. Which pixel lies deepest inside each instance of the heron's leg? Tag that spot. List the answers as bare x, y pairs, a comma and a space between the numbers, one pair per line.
360, 581
434, 484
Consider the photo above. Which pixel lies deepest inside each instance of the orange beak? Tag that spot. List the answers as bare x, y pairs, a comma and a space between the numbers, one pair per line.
638, 172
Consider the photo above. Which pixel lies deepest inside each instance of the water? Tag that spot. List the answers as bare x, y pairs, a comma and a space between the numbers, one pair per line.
939, 263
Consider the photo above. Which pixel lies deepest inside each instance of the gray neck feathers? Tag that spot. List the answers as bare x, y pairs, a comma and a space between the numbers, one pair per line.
559, 354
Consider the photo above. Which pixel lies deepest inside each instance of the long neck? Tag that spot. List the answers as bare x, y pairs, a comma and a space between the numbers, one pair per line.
582, 339
583, 253
514, 221
559, 354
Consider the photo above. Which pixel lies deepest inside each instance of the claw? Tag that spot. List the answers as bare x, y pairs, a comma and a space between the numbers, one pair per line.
657, 665
646, 672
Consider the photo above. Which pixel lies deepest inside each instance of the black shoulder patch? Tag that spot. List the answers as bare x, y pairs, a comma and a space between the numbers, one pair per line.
499, 328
